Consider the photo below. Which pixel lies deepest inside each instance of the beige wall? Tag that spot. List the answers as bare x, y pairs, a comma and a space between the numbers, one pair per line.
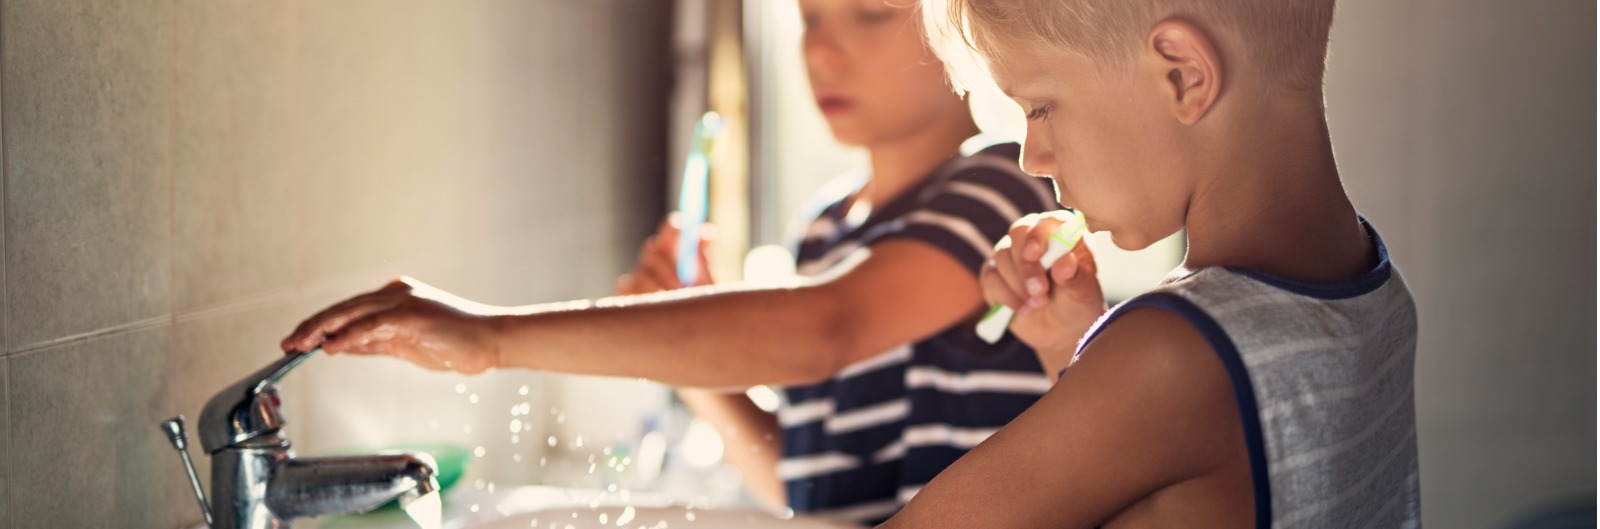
1465, 130
184, 180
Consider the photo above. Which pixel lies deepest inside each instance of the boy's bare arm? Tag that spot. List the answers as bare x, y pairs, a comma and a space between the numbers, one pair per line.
1147, 406
712, 336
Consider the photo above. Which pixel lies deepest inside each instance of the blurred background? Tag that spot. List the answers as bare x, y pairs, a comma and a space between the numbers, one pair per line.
185, 180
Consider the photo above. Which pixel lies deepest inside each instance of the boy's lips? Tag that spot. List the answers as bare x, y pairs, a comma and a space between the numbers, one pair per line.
832, 104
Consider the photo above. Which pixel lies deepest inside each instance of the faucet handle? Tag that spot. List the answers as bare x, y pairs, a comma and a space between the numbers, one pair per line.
247, 408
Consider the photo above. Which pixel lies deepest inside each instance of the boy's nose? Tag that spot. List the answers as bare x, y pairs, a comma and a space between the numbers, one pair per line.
1037, 158
822, 54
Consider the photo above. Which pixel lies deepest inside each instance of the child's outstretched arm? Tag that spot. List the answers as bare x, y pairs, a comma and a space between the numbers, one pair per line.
706, 337
1146, 410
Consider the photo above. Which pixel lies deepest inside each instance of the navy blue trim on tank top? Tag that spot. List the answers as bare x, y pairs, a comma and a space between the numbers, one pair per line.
1333, 290
1244, 395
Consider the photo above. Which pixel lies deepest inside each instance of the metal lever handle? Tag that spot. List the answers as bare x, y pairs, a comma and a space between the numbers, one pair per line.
248, 408
174, 429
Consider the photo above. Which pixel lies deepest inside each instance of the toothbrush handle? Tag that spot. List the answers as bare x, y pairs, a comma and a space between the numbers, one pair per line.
994, 324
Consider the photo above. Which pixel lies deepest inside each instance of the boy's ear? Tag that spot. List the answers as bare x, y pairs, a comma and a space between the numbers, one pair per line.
1191, 69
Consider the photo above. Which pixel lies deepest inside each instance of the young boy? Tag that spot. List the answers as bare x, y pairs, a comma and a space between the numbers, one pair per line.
1268, 382
886, 382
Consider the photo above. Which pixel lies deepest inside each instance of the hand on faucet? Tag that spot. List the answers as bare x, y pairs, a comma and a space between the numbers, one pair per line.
405, 319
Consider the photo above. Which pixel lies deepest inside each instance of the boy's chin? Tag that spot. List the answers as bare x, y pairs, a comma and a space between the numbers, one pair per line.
1125, 240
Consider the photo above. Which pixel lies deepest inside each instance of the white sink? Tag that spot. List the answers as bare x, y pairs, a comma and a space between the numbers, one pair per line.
538, 507
646, 517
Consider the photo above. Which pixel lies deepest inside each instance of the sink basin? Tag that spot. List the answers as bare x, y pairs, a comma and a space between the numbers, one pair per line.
538, 507
646, 517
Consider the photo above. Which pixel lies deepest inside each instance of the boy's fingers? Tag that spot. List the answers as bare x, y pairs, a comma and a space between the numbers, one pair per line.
1077, 264
668, 229
1006, 273
658, 271
332, 320
362, 336
1038, 238
1065, 269
995, 289
704, 277
627, 285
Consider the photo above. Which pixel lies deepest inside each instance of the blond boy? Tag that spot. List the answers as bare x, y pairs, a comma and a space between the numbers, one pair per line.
1268, 381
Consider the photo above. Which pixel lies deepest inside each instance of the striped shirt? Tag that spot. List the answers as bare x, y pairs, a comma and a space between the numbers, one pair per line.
1322, 375
858, 446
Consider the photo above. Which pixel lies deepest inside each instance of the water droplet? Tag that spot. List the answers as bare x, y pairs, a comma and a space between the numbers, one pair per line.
478, 451
474, 507
473, 398
688, 516
516, 439
626, 516
491, 486
516, 457
552, 441
561, 418
523, 390
516, 425
461, 388
604, 519
541, 461
578, 443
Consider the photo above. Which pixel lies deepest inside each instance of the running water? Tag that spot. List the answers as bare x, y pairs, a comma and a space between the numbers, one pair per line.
427, 511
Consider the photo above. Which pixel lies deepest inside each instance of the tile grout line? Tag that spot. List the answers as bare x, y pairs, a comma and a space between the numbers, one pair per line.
147, 323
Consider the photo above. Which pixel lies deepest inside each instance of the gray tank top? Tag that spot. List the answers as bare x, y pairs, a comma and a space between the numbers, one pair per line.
1323, 376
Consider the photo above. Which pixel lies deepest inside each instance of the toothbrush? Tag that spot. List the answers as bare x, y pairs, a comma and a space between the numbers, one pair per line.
1066, 237
693, 195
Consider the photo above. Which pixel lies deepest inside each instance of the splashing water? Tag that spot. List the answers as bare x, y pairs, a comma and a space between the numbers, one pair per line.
427, 511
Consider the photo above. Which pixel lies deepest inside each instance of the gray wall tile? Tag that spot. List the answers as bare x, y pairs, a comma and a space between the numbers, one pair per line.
86, 152
234, 189
5, 444
85, 436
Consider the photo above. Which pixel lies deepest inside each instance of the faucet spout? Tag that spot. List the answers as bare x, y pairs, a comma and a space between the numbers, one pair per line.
317, 486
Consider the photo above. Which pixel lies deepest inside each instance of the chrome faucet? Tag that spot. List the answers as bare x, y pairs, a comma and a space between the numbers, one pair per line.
258, 483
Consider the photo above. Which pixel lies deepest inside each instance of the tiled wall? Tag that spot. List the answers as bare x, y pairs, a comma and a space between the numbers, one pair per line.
1465, 132
185, 180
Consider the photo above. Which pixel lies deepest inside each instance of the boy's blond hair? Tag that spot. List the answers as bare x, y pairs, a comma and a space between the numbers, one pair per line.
1285, 39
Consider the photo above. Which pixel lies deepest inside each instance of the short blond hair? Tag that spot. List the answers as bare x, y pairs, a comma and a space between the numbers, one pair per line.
1287, 39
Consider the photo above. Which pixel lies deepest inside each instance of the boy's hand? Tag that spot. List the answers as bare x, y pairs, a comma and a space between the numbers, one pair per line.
406, 319
658, 261
1054, 307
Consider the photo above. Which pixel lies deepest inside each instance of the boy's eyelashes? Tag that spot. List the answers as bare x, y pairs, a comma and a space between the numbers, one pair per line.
864, 16
1038, 113
874, 16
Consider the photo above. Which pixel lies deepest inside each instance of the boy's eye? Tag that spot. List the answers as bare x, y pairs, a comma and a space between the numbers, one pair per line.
874, 16
1038, 113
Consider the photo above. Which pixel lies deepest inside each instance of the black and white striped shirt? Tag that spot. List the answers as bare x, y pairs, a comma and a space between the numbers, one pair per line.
858, 446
